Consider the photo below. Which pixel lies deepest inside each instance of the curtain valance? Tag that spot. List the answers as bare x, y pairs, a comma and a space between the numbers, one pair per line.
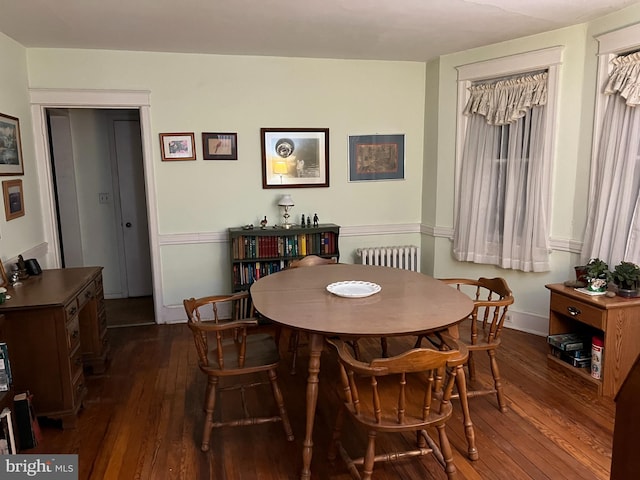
505, 101
624, 79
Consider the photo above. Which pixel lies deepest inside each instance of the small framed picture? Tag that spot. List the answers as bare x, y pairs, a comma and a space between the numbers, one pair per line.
295, 157
4, 281
219, 146
376, 157
13, 199
10, 146
177, 146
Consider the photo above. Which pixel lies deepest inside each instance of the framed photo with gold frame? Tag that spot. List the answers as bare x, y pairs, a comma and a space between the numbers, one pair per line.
13, 199
4, 280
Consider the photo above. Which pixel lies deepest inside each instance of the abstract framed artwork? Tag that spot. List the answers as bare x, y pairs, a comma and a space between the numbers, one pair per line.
219, 146
13, 199
177, 146
376, 157
10, 146
295, 157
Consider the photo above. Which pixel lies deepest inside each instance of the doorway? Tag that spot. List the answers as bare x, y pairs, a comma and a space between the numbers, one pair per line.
99, 189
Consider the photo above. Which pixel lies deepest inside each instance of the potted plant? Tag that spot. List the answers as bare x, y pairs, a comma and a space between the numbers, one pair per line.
626, 275
598, 275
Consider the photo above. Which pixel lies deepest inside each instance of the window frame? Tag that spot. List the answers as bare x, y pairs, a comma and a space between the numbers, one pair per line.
610, 45
549, 59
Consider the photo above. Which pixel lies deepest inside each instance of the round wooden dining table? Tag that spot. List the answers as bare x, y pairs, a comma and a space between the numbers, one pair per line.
407, 303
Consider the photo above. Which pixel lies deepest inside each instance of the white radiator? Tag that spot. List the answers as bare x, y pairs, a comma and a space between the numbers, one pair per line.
406, 257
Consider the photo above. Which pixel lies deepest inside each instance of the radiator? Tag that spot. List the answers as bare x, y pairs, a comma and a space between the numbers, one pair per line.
406, 257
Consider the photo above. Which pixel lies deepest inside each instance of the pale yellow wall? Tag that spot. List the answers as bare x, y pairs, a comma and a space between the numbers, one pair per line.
213, 93
210, 93
23, 233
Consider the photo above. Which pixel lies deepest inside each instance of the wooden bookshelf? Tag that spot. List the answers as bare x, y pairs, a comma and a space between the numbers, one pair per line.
258, 252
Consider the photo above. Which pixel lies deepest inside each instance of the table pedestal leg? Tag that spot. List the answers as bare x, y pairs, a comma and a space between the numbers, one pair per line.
316, 344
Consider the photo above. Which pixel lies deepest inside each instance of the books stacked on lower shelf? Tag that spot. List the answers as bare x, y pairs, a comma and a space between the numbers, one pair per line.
7, 439
29, 434
573, 348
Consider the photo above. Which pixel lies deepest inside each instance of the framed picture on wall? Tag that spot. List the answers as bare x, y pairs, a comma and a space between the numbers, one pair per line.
295, 157
13, 199
10, 146
219, 146
376, 157
177, 146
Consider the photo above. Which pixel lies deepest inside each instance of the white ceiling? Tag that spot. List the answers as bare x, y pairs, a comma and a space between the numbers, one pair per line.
357, 29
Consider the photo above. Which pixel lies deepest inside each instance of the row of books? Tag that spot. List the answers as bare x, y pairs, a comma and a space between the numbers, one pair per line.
255, 246
245, 274
572, 348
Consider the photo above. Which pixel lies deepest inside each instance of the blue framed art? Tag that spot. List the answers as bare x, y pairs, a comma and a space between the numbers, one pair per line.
376, 157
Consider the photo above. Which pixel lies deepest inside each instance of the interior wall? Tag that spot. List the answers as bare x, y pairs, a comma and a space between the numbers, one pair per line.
210, 93
23, 233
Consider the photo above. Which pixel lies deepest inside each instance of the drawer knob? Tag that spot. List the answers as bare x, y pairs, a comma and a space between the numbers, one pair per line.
73, 311
75, 334
573, 311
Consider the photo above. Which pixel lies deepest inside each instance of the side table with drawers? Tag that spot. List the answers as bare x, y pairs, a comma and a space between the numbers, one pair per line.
55, 324
615, 319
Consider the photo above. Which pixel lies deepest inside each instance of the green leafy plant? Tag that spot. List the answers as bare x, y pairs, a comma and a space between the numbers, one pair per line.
597, 268
626, 275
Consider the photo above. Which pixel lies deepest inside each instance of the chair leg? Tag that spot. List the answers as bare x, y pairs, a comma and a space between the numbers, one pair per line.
369, 457
277, 395
210, 405
461, 384
384, 347
335, 437
447, 454
502, 405
418, 343
294, 341
471, 366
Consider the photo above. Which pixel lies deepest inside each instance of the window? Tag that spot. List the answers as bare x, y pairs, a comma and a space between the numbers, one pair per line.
505, 138
613, 218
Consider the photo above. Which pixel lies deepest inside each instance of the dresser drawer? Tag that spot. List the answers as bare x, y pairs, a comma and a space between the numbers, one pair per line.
75, 363
79, 390
578, 310
87, 294
71, 309
73, 333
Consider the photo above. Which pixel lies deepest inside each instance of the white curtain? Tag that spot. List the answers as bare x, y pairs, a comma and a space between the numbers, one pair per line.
503, 196
613, 221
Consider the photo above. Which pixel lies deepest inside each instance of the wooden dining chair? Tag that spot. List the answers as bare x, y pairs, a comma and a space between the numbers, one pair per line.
395, 395
492, 298
294, 338
227, 349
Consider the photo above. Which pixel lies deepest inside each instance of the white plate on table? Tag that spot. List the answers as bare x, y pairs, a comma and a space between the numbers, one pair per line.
353, 289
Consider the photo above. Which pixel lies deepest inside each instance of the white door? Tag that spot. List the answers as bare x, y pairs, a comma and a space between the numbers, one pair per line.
133, 207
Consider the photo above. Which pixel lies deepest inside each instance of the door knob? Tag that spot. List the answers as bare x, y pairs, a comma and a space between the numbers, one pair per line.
128, 224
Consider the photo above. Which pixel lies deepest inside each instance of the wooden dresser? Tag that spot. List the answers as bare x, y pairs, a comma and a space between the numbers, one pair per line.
615, 319
56, 324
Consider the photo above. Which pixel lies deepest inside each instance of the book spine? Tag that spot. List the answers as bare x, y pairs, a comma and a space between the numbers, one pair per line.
5, 353
24, 422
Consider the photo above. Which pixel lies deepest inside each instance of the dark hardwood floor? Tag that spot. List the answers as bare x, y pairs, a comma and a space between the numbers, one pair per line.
142, 420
